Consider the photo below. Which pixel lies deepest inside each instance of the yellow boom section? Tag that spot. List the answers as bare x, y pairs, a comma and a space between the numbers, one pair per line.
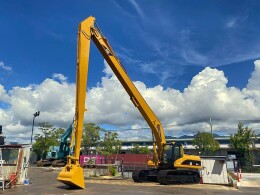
72, 173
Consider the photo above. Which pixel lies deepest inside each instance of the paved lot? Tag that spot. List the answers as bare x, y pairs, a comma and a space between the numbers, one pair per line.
43, 181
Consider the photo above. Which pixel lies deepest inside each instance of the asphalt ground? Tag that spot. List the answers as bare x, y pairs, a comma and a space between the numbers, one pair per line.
43, 181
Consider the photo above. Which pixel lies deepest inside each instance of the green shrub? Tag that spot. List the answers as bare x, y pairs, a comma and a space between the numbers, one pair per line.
112, 170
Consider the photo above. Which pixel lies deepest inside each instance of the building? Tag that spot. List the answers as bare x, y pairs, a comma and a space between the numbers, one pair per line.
14, 162
189, 148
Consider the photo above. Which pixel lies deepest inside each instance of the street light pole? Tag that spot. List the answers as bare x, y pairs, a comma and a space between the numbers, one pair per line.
34, 115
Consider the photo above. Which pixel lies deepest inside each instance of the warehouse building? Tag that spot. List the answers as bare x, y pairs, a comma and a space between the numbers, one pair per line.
224, 150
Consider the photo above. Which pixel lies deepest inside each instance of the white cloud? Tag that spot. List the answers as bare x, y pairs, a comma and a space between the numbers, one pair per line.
131, 8
137, 7
60, 77
206, 96
108, 103
3, 95
232, 22
55, 100
5, 67
235, 21
107, 70
253, 82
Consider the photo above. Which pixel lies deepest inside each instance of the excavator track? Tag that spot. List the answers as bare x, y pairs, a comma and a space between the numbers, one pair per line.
166, 177
139, 176
145, 175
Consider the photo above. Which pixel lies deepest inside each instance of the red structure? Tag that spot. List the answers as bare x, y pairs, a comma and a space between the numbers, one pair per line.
119, 159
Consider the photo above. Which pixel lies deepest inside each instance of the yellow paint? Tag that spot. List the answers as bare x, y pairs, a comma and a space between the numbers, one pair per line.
72, 175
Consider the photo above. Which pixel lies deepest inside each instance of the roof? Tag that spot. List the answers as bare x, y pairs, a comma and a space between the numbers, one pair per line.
14, 146
214, 157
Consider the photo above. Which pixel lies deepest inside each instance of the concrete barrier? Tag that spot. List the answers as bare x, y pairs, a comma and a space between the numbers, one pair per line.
250, 180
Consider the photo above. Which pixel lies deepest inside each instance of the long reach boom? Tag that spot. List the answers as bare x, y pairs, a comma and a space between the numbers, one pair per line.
164, 154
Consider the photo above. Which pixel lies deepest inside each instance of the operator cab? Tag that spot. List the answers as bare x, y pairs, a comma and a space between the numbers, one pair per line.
171, 152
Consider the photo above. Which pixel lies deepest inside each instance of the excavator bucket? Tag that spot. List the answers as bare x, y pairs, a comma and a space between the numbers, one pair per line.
72, 175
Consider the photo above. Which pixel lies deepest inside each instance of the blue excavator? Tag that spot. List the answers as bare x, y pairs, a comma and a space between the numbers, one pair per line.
57, 155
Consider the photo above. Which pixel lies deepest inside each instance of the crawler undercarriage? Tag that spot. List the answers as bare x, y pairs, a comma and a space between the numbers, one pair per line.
165, 177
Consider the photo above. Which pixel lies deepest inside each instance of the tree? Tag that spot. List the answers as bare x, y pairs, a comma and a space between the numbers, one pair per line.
44, 140
50, 137
244, 142
205, 143
137, 149
90, 136
110, 144
56, 134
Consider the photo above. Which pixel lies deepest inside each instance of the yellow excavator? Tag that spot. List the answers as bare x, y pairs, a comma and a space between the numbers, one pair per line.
170, 164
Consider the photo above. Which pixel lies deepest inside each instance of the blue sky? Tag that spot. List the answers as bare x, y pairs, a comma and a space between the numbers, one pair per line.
161, 42
165, 46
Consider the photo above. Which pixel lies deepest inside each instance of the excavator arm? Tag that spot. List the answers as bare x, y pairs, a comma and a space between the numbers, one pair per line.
135, 96
72, 173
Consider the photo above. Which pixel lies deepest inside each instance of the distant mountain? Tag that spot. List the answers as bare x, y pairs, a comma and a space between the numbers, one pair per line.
192, 136
217, 135
170, 137
186, 136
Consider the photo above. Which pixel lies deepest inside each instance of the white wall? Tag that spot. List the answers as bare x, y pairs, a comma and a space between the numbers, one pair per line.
214, 171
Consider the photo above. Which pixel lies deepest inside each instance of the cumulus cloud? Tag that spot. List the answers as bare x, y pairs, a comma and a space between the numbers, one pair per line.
207, 96
55, 100
3, 95
253, 82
